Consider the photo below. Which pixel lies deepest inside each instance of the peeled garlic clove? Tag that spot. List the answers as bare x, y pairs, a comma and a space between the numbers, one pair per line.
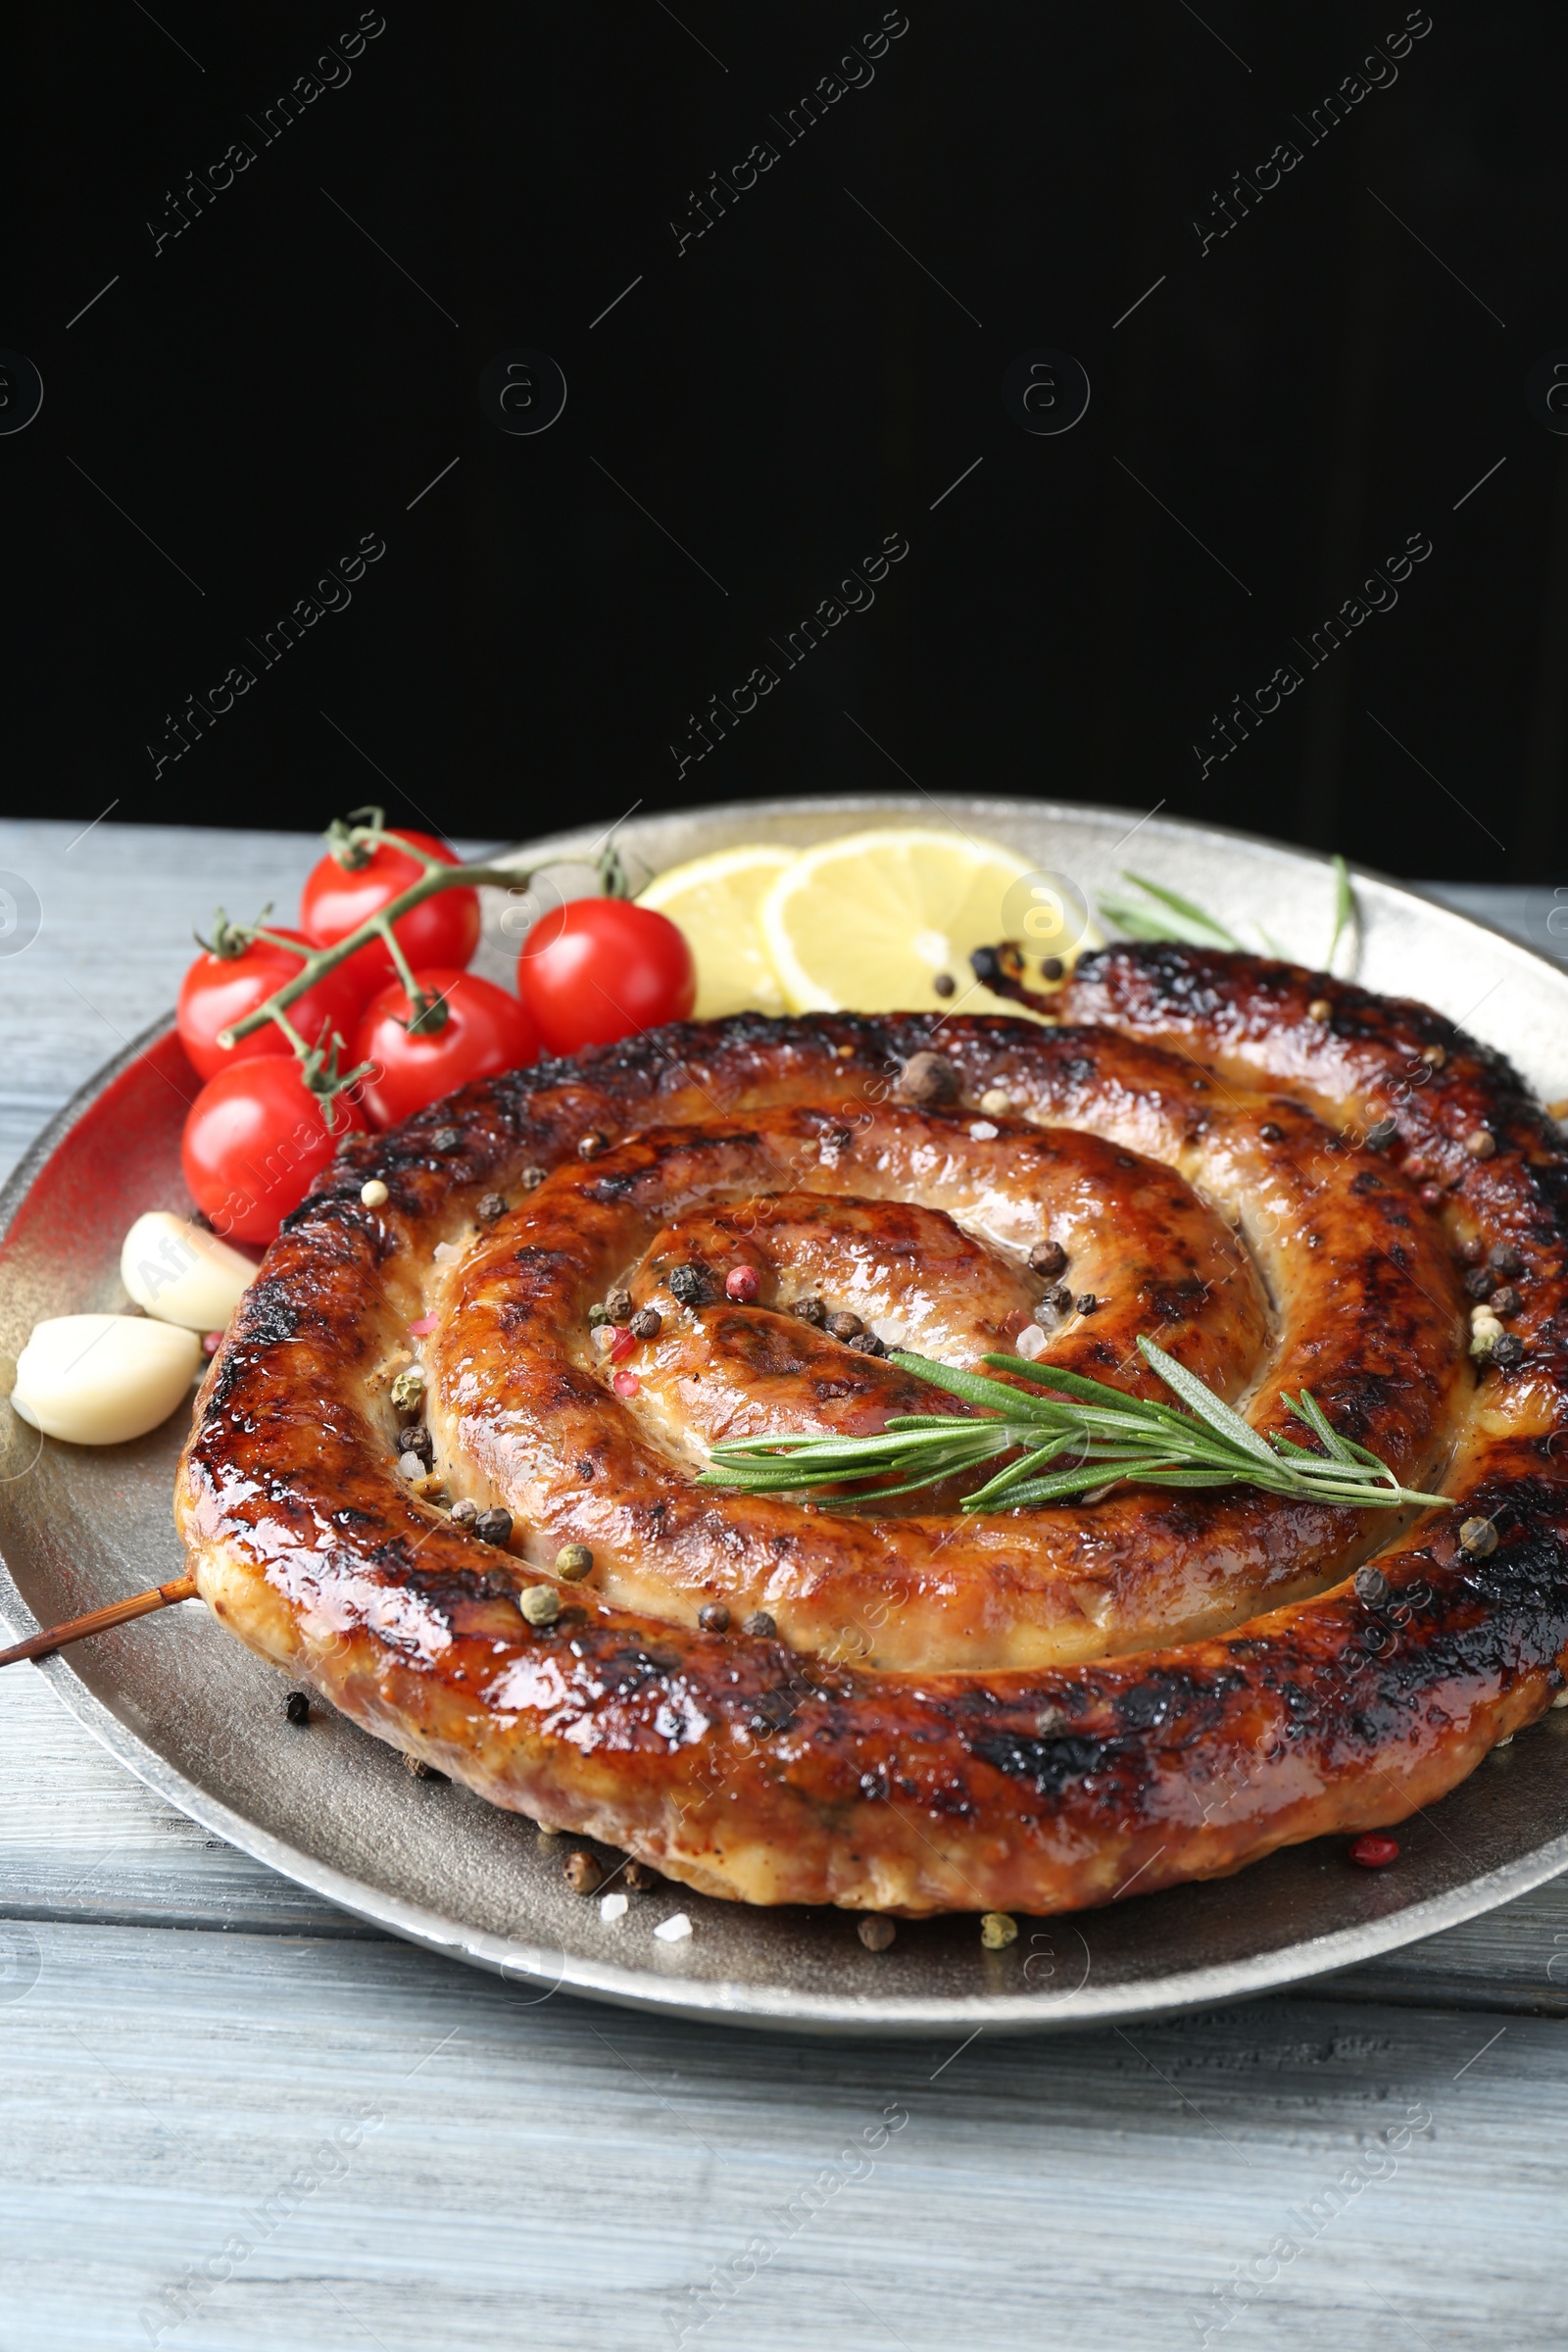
181, 1274
97, 1380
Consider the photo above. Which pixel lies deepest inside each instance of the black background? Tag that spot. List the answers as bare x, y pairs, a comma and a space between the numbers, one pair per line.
271, 385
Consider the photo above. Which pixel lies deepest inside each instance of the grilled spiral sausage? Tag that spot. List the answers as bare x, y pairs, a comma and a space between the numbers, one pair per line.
923, 1711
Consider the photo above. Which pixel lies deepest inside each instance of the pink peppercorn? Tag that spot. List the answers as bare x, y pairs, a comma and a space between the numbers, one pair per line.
212, 1340
621, 1346
626, 1384
1375, 1852
741, 1284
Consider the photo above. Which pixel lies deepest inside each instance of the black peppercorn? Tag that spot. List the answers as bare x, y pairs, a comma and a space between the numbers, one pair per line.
447, 1138
714, 1617
1504, 1258
843, 1326
297, 1707
944, 984
646, 1324
617, 1307
761, 1625
1509, 1349
811, 1310
1048, 1259
493, 1527
1505, 1300
489, 1206
1087, 1303
1480, 1282
1272, 1132
689, 1285
867, 1343
417, 1438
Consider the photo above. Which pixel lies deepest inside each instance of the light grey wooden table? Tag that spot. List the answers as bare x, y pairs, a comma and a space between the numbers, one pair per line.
233, 2118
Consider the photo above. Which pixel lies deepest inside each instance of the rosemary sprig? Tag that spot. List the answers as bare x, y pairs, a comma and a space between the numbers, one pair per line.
1170, 918
1102, 1437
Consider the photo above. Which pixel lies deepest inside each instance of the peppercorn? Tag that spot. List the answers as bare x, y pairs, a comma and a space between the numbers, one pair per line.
1382, 1135
1432, 1196
1504, 1258
995, 1102
928, 1078
714, 1617
1320, 1009
1505, 1300
417, 1438
1478, 1538
531, 1178
447, 1138
574, 1561
640, 1876
741, 1284
1370, 1585
1480, 1282
811, 1310
408, 1389
867, 1343
944, 984
843, 1326
876, 1930
1060, 1300
1508, 1350
418, 1770
297, 1707
998, 1928
1271, 1132
598, 1316
540, 1605
1374, 1853
582, 1872
1048, 1259
646, 1324
1088, 1304
1471, 1252
617, 1307
761, 1625
489, 1206
1051, 967
375, 1194
1480, 1144
1435, 1056
493, 1526
464, 1513
592, 1143
689, 1285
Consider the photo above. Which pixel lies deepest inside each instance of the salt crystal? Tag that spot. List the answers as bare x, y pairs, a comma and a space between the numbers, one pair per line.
673, 1930
1029, 1342
889, 1331
410, 1465
446, 1253
982, 1130
613, 1906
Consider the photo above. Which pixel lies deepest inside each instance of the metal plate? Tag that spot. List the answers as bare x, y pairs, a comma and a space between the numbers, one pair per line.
197, 1718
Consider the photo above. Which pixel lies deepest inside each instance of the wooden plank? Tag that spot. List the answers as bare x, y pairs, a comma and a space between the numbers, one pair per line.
237, 2142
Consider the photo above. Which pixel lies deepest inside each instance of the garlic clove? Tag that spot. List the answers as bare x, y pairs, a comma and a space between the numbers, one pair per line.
97, 1380
181, 1274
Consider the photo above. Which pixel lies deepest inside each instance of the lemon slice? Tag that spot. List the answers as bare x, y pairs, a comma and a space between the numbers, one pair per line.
874, 921
715, 901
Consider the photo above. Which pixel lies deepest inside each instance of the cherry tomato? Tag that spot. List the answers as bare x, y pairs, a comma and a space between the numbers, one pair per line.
444, 929
601, 968
486, 1030
219, 990
255, 1137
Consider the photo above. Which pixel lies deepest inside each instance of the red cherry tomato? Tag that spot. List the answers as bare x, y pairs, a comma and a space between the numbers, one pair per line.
486, 1030
219, 990
601, 968
255, 1137
444, 929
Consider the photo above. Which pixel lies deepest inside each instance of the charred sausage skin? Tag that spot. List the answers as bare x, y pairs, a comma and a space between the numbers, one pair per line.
752, 1770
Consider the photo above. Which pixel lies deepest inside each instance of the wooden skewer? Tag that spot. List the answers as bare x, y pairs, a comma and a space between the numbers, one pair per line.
98, 1621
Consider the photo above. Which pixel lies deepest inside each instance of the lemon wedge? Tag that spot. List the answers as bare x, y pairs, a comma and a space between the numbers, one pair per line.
714, 900
876, 923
